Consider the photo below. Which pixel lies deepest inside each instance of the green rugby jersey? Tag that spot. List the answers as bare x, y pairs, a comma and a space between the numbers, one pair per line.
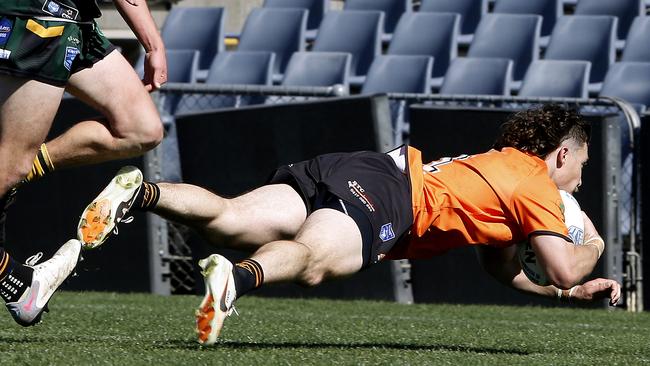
75, 10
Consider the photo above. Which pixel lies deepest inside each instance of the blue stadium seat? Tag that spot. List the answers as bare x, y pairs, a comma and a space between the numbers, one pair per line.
637, 46
624, 10
555, 78
393, 10
318, 69
353, 31
629, 81
232, 67
471, 12
195, 28
181, 68
429, 34
478, 76
399, 74
550, 10
511, 36
587, 38
316, 8
277, 30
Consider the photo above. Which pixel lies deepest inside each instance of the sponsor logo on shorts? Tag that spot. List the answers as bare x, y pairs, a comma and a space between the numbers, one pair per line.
4, 54
386, 232
70, 54
360, 193
60, 10
5, 31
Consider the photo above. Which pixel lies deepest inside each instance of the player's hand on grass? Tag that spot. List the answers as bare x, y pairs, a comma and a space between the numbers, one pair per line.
155, 70
600, 288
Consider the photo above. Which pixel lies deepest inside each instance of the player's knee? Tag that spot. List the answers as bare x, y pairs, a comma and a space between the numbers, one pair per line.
15, 173
312, 278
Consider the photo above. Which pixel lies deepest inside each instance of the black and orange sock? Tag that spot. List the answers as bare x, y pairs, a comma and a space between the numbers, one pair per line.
15, 278
147, 197
41, 166
248, 275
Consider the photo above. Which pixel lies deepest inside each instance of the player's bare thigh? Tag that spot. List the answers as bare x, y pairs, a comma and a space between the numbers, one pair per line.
26, 114
269, 213
335, 244
112, 87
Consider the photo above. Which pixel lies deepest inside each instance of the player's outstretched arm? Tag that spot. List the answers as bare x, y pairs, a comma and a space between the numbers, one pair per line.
504, 266
136, 14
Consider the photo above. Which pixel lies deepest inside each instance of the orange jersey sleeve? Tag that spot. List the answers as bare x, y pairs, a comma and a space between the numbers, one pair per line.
498, 198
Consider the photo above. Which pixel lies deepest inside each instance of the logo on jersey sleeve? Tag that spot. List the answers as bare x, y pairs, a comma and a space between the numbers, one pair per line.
5, 31
386, 232
60, 10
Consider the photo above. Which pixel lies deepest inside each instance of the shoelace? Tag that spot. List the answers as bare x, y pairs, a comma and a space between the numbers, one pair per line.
127, 220
31, 261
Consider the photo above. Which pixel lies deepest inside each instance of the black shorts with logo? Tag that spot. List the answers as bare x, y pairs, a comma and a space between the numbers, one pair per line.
49, 51
369, 181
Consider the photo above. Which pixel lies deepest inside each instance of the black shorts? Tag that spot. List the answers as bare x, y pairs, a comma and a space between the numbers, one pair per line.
49, 51
373, 191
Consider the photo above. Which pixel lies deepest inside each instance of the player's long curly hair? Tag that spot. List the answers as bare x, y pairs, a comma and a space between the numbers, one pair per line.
540, 131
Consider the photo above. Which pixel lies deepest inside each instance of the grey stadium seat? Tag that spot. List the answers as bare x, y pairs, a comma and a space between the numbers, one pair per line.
587, 38
471, 12
629, 81
398, 74
393, 10
624, 10
316, 8
429, 34
478, 76
511, 36
195, 28
277, 30
556, 78
232, 67
549, 10
637, 46
318, 69
353, 31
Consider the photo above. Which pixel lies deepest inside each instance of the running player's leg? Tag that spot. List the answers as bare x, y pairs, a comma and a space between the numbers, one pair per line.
132, 127
26, 113
268, 213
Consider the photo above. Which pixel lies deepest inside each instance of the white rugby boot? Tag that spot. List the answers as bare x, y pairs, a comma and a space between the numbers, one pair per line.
220, 294
109, 208
46, 279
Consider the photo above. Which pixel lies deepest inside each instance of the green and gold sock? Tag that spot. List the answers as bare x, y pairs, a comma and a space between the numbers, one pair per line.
41, 166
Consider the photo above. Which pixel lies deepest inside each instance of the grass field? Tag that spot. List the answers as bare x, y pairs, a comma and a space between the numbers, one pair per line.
139, 329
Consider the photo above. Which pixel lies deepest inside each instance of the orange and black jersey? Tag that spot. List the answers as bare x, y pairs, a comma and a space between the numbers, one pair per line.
497, 198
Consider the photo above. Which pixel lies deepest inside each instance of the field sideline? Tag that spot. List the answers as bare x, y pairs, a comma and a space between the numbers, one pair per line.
90, 328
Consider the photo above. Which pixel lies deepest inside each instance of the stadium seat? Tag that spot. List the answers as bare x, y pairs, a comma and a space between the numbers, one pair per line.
353, 31
478, 76
316, 8
393, 10
587, 38
318, 69
471, 12
624, 10
629, 81
399, 74
429, 34
511, 36
637, 46
277, 30
555, 78
550, 10
181, 68
193, 28
232, 67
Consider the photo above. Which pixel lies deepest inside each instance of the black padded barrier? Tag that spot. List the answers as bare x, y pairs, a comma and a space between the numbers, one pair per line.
457, 277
